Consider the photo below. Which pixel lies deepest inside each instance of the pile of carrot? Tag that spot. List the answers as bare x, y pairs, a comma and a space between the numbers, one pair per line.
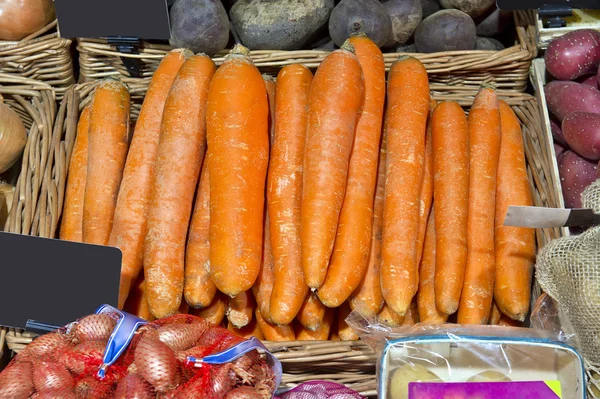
278, 206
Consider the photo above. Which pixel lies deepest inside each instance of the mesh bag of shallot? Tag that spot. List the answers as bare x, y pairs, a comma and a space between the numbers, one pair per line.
107, 355
321, 390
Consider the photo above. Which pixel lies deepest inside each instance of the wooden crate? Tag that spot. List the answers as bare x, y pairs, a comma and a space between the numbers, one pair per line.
583, 19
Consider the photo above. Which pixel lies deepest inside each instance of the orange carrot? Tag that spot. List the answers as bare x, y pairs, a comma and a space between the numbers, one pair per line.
272, 332
495, 315
484, 138
248, 331
72, 220
367, 297
426, 196
108, 140
215, 312
271, 87
408, 107
353, 240
508, 322
335, 102
263, 286
450, 137
426, 294
345, 332
334, 336
312, 312
389, 317
320, 334
137, 301
238, 150
284, 191
240, 309
515, 246
412, 315
129, 225
178, 161
199, 289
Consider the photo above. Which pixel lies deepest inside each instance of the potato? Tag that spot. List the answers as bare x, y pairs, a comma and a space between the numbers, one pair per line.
589, 80
488, 43
559, 150
405, 16
582, 132
199, 25
474, 8
406, 374
489, 376
565, 97
576, 173
406, 48
493, 23
446, 30
557, 134
366, 16
429, 7
279, 25
574, 54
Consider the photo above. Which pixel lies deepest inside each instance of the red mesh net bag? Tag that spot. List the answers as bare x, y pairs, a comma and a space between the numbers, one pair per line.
321, 390
65, 364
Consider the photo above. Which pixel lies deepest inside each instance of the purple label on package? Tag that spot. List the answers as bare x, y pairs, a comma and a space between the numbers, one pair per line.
485, 390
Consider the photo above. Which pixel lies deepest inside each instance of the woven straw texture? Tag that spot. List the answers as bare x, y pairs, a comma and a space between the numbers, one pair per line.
41, 56
449, 72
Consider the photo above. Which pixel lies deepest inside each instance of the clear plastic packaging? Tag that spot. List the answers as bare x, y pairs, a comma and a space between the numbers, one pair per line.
454, 361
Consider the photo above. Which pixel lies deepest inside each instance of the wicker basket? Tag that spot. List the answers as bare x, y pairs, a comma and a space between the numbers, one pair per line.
41, 56
449, 72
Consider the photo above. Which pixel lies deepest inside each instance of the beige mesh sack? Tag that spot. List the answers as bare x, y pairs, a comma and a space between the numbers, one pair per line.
568, 269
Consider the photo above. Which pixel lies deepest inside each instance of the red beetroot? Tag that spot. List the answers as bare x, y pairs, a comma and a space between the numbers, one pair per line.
156, 362
133, 387
47, 376
574, 54
576, 173
566, 97
16, 381
582, 132
95, 327
181, 336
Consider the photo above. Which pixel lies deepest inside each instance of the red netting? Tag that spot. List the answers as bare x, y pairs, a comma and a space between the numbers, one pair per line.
321, 390
64, 364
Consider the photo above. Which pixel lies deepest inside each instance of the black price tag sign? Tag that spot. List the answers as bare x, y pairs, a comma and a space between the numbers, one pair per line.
509, 5
145, 19
53, 282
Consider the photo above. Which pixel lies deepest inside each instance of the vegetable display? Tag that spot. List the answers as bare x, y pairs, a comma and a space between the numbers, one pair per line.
396, 214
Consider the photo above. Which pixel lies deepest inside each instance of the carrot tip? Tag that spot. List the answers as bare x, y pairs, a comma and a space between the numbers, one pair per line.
348, 47
488, 86
186, 53
240, 50
358, 34
268, 77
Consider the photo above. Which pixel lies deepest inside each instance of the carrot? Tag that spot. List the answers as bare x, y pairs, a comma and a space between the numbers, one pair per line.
238, 150
335, 101
407, 110
389, 317
515, 246
263, 286
72, 220
129, 225
353, 240
484, 138
334, 336
508, 322
312, 312
248, 331
426, 196
178, 161
495, 315
184, 308
426, 294
240, 309
412, 315
345, 332
284, 191
199, 289
215, 312
271, 87
450, 137
108, 140
320, 334
137, 301
367, 297
272, 332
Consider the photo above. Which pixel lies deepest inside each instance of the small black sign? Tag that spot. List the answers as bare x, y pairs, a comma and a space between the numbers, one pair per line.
536, 4
54, 282
146, 19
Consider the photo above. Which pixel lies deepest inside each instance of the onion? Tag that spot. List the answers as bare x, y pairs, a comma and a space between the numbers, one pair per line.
20, 18
48, 376
12, 135
16, 382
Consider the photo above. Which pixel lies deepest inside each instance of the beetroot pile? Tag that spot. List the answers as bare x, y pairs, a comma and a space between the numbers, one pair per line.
574, 102
64, 364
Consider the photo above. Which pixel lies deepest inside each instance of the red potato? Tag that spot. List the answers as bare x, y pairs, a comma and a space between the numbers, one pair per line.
559, 150
582, 132
590, 80
576, 173
15, 381
566, 97
557, 134
574, 54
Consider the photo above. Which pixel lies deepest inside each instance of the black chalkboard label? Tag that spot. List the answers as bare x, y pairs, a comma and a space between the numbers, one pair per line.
145, 19
537, 4
54, 282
